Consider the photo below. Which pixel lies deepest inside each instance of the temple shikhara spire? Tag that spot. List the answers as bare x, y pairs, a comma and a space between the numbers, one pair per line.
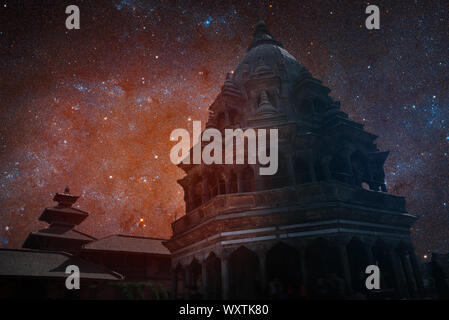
325, 213
262, 36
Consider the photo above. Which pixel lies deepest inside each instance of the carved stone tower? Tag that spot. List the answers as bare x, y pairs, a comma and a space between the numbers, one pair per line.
326, 212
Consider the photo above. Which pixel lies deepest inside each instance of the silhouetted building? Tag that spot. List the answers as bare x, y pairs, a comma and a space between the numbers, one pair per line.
137, 258
117, 266
313, 227
439, 271
60, 235
39, 274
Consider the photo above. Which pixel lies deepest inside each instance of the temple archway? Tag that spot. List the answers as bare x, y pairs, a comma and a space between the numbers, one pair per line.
284, 271
213, 271
323, 261
383, 261
194, 278
244, 274
358, 261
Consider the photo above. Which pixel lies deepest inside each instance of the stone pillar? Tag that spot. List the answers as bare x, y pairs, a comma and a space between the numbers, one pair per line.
174, 289
225, 277
312, 174
227, 120
344, 262
204, 279
302, 261
409, 273
398, 274
263, 270
186, 199
189, 276
347, 157
291, 171
191, 197
368, 247
257, 179
184, 282
227, 186
205, 196
239, 182
189, 202
416, 272
325, 166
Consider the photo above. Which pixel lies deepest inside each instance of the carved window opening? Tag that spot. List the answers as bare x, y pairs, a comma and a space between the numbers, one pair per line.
339, 169
234, 117
221, 186
233, 183
360, 168
305, 108
213, 185
197, 193
248, 180
221, 120
319, 105
302, 172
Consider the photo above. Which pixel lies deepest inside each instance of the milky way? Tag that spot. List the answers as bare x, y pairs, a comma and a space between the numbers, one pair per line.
93, 108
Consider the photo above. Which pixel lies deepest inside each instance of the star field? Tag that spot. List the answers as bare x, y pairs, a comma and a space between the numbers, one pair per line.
93, 108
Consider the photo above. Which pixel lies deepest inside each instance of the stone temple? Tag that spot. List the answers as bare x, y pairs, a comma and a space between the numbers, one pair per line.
326, 213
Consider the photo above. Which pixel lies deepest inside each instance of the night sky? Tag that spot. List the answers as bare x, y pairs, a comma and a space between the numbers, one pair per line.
93, 108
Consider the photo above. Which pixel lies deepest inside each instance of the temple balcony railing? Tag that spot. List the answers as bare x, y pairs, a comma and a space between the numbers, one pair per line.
299, 195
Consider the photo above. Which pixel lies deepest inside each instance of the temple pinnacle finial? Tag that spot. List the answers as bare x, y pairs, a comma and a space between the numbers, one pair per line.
65, 199
261, 27
262, 36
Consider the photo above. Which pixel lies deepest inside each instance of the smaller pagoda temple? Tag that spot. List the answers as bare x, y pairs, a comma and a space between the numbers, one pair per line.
61, 233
